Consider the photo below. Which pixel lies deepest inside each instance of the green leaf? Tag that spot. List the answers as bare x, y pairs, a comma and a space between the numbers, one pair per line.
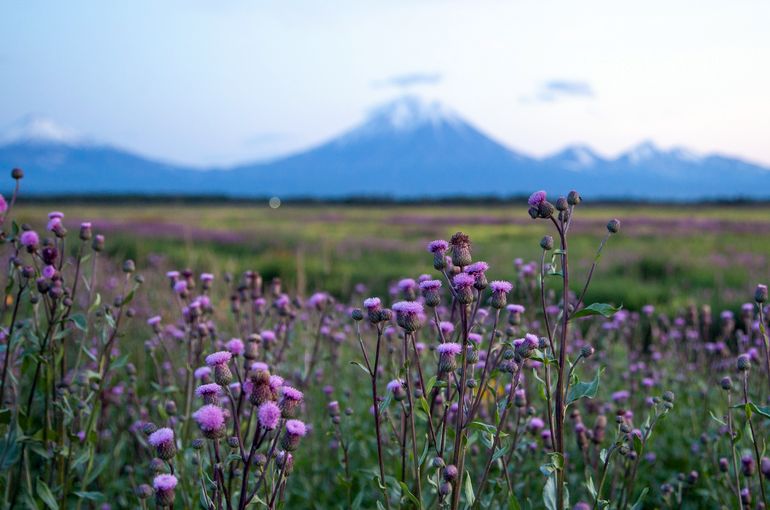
93, 496
602, 309
638, 505
411, 497
79, 320
549, 492
429, 386
46, 495
584, 389
718, 420
470, 497
359, 365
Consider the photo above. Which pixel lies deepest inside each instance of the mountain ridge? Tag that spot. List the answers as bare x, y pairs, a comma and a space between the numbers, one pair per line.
407, 148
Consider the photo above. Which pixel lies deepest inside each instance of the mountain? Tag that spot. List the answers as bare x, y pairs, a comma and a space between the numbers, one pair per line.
407, 148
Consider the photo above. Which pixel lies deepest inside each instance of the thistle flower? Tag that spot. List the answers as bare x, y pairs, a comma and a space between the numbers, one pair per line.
295, 430
396, 387
163, 441
760, 293
438, 248
269, 415
409, 315
373, 307
447, 353
463, 284
446, 327
235, 346
211, 421
30, 240
430, 291
408, 288
209, 393
218, 362
461, 250
164, 486
261, 389
536, 198
478, 271
290, 400
318, 300
500, 290
202, 373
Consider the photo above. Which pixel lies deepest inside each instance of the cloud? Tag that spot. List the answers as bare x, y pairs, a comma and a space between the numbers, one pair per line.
410, 80
555, 90
266, 138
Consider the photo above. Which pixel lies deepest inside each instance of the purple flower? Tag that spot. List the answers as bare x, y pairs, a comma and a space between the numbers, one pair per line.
161, 436
207, 390
463, 281
447, 328
406, 284
218, 358
259, 366
210, 419
477, 268
536, 198
268, 336
449, 348
430, 285
269, 415
438, 246
207, 277
291, 393
3, 205
202, 372
372, 303
501, 286
535, 424
317, 300
180, 287
474, 337
409, 315
152, 321
407, 307
296, 428
620, 396
395, 385
164, 482
235, 346
49, 271
30, 239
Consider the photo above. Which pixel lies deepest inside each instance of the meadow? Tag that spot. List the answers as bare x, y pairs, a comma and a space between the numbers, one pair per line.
327, 356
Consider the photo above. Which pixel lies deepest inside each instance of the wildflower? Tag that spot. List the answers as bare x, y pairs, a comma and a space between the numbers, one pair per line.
396, 387
447, 353
295, 430
760, 294
164, 486
163, 441
430, 291
318, 300
373, 306
408, 286
438, 248
261, 390
218, 362
290, 400
98, 243
235, 346
209, 393
500, 290
536, 198
269, 415
446, 327
409, 315
202, 373
461, 250
211, 421
463, 283
30, 240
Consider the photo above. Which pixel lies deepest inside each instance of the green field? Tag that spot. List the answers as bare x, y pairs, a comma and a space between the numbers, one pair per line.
665, 254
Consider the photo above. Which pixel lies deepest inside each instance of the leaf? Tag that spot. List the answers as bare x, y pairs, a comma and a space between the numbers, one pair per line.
638, 444
429, 386
79, 320
718, 420
359, 365
93, 496
549, 492
409, 494
470, 497
602, 309
638, 505
584, 389
46, 495
764, 411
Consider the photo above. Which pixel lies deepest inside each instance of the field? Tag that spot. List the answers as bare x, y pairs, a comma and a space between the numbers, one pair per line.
669, 255
617, 400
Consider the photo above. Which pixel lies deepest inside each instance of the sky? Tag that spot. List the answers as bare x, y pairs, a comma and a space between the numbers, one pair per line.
214, 83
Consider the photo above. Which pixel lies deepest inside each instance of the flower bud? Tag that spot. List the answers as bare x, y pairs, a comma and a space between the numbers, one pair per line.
546, 243
17, 173
573, 198
726, 383
760, 294
744, 363
613, 226
357, 314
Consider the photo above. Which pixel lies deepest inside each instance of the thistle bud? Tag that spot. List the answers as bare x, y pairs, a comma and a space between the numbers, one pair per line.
17, 173
545, 210
587, 351
744, 363
613, 226
760, 294
726, 383
461, 249
573, 198
561, 204
357, 314
546, 243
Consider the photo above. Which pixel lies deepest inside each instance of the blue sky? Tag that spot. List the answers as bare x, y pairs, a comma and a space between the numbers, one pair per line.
204, 82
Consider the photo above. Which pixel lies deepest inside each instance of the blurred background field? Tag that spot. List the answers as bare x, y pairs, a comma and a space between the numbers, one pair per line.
669, 255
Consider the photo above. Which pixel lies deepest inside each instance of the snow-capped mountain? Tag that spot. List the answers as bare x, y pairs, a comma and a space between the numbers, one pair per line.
406, 148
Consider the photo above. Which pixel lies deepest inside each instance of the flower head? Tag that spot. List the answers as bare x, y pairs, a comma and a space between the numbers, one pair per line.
161, 436
235, 346
296, 427
30, 239
463, 281
449, 348
211, 420
164, 482
501, 286
438, 246
218, 358
269, 415
536, 198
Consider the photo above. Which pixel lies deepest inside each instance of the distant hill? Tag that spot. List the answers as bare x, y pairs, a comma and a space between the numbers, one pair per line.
408, 148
